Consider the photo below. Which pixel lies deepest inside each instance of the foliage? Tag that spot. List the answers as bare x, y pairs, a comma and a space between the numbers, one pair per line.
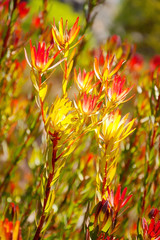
82, 165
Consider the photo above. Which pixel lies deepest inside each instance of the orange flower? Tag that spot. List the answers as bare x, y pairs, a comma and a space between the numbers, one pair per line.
64, 39
107, 71
10, 230
89, 104
40, 59
83, 80
116, 92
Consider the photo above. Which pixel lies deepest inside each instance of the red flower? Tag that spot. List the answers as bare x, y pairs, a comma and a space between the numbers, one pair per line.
118, 200
37, 21
116, 92
113, 42
40, 59
22, 9
155, 63
136, 62
152, 230
115, 39
98, 53
89, 104
4, 5
153, 213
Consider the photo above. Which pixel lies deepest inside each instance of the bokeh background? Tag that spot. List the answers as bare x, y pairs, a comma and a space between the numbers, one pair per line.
138, 21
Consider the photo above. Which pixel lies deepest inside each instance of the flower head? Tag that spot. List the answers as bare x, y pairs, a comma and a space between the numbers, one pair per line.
115, 39
118, 200
10, 230
113, 43
4, 6
89, 104
37, 21
84, 79
136, 62
105, 213
40, 59
22, 9
64, 39
116, 92
154, 213
152, 230
115, 129
60, 115
107, 70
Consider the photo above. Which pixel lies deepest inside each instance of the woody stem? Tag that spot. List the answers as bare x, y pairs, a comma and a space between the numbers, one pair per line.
48, 188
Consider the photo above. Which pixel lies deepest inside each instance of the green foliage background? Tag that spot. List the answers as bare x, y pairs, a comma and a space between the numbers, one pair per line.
139, 21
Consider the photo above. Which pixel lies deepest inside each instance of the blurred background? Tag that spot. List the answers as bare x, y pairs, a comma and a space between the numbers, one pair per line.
136, 20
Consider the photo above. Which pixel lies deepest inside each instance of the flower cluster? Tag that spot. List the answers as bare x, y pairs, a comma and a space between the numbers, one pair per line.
152, 230
74, 152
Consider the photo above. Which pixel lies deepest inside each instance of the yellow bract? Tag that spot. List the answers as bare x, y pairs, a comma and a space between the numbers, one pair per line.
64, 38
116, 129
60, 115
43, 91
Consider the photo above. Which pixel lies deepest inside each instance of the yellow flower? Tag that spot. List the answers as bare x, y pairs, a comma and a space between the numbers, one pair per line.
60, 115
64, 39
115, 129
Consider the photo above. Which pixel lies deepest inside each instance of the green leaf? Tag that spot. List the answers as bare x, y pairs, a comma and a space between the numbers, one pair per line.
56, 176
34, 80
107, 225
111, 174
50, 201
48, 222
139, 237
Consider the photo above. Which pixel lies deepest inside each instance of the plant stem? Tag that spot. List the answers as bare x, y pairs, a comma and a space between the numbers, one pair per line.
48, 188
6, 38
